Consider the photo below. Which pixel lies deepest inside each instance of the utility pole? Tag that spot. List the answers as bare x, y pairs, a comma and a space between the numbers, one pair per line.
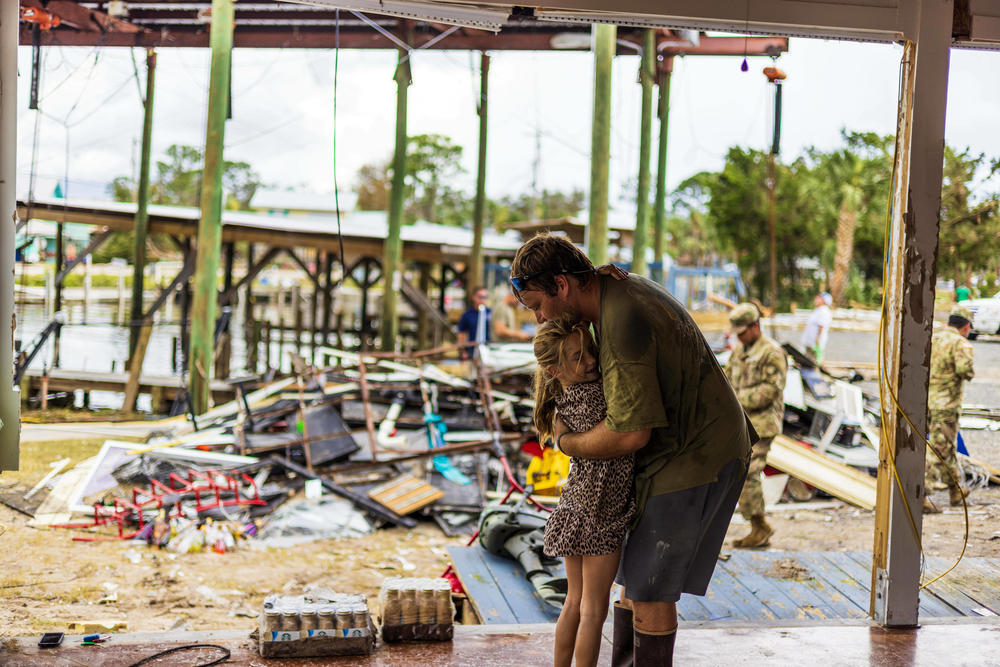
474, 273
392, 256
605, 45
142, 207
660, 213
647, 77
204, 305
775, 76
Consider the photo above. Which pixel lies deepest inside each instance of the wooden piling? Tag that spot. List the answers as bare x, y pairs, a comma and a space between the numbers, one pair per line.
600, 149
135, 368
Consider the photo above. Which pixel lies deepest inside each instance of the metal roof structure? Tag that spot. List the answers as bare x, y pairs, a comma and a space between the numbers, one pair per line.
363, 231
361, 24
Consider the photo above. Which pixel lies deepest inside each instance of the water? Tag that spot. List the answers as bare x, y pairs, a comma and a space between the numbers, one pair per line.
100, 345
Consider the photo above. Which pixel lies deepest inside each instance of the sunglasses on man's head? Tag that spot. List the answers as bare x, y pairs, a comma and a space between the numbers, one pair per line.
521, 283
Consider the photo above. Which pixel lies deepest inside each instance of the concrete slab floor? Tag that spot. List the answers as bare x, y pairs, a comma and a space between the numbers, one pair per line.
953, 642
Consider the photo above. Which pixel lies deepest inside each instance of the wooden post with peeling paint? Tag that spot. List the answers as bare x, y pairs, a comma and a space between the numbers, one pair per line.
909, 291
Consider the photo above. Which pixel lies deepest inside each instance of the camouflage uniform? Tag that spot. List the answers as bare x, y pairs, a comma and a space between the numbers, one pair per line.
757, 374
951, 366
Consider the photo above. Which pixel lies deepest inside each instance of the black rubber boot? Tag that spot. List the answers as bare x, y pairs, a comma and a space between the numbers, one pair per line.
622, 637
654, 650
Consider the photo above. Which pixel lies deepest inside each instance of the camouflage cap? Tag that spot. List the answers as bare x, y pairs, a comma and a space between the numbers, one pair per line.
742, 316
961, 311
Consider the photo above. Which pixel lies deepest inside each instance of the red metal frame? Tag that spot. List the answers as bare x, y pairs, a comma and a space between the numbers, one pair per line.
208, 488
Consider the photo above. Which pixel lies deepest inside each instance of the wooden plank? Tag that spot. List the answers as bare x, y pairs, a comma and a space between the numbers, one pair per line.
787, 598
489, 604
836, 576
835, 478
727, 597
743, 568
513, 585
405, 494
824, 580
690, 608
931, 605
962, 589
973, 577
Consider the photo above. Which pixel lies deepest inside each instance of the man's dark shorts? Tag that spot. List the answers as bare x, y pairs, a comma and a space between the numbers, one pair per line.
676, 544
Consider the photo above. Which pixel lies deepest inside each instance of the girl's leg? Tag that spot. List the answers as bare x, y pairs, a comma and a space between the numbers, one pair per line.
598, 575
569, 618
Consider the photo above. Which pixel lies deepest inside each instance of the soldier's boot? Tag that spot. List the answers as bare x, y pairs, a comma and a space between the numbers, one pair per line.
956, 494
622, 643
654, 649
760, 534
930, 507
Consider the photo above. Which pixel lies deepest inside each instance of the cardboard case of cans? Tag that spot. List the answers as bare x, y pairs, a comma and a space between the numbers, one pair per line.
319, 623
416, 610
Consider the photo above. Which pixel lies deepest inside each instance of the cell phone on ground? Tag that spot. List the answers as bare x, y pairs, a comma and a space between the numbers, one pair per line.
50, 640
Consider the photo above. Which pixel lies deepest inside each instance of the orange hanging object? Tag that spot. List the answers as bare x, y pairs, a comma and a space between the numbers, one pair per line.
43, 19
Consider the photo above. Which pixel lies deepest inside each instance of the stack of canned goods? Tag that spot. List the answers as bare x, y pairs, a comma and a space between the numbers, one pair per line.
414, 609
287, 618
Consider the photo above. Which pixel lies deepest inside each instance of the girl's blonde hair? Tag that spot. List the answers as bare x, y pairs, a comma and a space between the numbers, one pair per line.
549, 346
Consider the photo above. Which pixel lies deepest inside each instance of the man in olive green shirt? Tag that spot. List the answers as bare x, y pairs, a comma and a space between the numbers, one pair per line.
757, 369
670, 404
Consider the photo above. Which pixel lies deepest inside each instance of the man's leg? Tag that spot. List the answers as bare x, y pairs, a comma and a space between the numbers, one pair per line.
655, 632
751, 501
948, 465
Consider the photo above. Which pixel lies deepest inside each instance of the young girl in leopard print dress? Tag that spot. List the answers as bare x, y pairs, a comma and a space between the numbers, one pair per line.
596, 504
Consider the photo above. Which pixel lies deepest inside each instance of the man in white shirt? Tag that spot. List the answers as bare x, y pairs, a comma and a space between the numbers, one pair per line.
817, 329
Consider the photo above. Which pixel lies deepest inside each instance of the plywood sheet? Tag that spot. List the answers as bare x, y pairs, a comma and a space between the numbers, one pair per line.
837, 479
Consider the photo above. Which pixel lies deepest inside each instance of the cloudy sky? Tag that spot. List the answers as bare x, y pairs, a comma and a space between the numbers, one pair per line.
91, 117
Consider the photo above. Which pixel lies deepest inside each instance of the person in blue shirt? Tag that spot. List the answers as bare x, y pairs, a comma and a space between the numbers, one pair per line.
469, 325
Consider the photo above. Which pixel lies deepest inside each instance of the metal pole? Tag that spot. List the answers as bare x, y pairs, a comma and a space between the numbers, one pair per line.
210, 226
142, 212
771, 233
660, 212
392, 255
647, 77
10, 401
474, 274
600, 150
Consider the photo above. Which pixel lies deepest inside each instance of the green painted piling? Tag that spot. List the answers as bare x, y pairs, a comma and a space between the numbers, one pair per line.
604, 37
474, 275
203, 311
392, 256
142, 206
647, 77
660, 207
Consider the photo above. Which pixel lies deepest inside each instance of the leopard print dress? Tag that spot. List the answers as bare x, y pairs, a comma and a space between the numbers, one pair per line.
597, 502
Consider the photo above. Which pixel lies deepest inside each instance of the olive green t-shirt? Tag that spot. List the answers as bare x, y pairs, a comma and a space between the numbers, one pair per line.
660, 373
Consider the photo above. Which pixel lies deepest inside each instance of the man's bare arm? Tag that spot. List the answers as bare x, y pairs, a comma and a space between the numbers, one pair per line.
601, 442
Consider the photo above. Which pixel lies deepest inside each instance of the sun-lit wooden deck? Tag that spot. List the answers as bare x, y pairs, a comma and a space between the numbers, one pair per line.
771, 586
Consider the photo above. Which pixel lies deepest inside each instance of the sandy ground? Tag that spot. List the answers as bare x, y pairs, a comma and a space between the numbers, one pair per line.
48, 580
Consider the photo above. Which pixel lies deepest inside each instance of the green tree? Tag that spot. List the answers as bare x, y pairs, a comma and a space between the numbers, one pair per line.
970, 226
735, 204
432, 163
177, 182
850, 187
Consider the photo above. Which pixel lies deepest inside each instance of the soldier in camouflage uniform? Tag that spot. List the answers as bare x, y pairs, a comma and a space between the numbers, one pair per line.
951, 366
757, 371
